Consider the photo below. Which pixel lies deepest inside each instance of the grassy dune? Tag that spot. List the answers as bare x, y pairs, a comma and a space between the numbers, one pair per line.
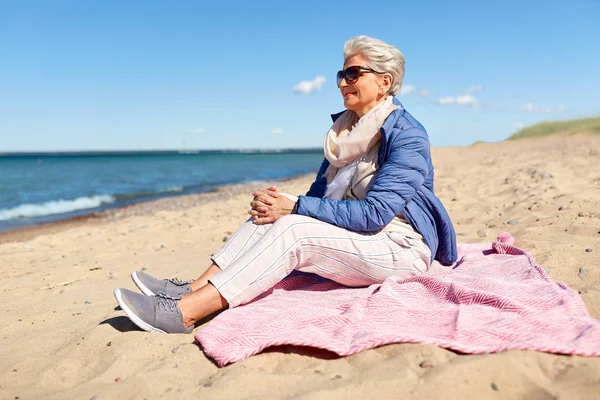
586, 125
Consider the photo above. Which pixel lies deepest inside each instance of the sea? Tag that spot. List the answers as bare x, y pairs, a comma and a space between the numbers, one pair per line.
41, 188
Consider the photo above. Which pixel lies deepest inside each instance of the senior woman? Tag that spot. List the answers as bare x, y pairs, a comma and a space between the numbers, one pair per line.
370, 214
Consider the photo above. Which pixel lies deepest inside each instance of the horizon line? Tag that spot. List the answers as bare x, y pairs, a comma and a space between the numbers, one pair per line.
156, 151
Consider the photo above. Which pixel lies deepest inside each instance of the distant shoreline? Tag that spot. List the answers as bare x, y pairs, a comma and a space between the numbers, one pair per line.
180, 152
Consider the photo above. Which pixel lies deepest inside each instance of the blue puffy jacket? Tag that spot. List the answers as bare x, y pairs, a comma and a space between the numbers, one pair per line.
404, 184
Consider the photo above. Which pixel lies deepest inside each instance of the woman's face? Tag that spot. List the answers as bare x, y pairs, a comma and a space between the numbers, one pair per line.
370, 88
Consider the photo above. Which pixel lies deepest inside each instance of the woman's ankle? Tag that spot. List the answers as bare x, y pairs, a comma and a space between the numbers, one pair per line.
203, 279
200, 304
188, 322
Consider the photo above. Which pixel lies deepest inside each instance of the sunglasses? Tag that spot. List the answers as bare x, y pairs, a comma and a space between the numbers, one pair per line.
351, 74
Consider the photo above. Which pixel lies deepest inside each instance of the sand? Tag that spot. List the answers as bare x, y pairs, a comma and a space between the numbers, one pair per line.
62, 336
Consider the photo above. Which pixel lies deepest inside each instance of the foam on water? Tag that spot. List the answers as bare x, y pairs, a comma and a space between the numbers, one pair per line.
55, 207
172, 189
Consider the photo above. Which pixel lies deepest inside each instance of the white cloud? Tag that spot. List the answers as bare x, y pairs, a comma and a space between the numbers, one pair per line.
528, 107
474, 89
519, 125
197, 130
464, 100
308, 87
277, 131
407, 89
446, 100
424, 92
532, 108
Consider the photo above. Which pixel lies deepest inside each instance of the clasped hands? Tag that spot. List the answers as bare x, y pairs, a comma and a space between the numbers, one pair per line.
268, 206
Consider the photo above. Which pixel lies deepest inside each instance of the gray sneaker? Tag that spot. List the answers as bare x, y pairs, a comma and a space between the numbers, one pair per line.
158, 313
150, 286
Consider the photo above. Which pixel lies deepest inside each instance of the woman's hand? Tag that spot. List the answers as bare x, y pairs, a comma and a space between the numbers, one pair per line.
254, 207
271, 191
268, 206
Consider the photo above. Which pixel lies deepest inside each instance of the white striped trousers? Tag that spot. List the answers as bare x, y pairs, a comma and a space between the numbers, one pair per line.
259, 256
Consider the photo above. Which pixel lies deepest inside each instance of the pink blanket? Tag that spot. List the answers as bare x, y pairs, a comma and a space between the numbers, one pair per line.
494, 298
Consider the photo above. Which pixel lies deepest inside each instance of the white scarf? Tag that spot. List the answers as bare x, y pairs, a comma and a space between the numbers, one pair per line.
347, 142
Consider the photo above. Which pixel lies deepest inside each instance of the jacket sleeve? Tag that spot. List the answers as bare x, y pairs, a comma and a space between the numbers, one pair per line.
396, 183
319, 186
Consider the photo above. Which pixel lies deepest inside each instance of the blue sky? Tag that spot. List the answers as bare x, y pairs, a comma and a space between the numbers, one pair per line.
82, 75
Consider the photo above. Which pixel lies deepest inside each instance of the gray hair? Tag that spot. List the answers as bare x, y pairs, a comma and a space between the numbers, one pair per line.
381, 56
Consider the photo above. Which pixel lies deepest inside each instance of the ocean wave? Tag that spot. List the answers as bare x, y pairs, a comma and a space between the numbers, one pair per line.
55, 207
172, 189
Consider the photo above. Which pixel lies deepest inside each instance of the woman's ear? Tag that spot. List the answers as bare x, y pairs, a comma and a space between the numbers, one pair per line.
387, 81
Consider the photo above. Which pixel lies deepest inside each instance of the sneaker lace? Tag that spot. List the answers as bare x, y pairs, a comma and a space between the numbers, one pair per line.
179, 282
167, 302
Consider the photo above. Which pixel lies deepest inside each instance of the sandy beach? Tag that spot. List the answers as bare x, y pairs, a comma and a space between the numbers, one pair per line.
63, 336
